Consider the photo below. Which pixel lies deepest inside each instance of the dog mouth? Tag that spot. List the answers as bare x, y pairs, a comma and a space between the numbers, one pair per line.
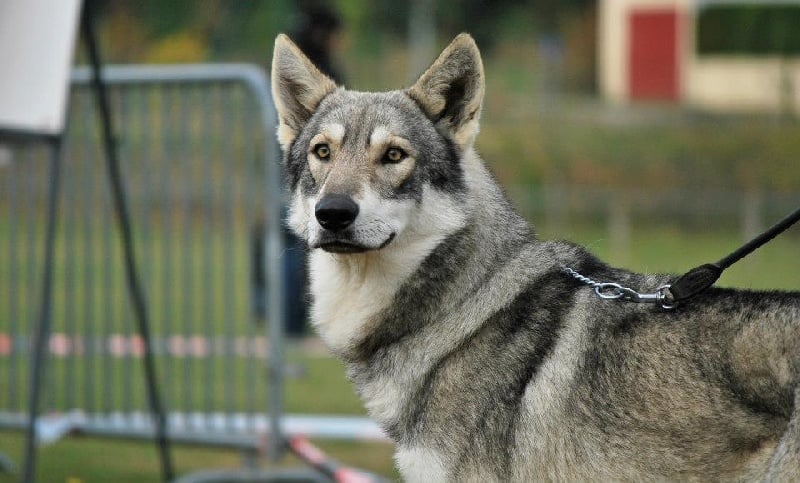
337, 245
343, 247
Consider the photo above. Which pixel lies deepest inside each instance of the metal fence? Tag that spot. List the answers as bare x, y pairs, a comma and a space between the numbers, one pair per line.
197, 151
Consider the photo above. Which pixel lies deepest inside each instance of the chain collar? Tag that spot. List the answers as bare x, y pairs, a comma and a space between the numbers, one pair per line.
615, 291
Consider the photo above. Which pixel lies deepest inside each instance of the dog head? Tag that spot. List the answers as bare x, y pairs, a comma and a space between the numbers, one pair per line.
364, 167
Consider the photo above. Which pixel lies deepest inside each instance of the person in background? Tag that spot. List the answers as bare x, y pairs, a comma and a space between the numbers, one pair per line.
315, 34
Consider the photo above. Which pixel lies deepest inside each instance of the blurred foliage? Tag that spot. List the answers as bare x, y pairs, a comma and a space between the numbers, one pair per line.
658, 153
749, 29
177, 48
157, 31
486, 20
541, 124
189, 31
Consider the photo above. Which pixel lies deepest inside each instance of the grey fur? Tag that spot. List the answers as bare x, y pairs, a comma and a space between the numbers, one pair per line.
479, 357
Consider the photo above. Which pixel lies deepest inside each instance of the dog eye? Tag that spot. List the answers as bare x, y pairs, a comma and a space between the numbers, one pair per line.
322, 151
394, 155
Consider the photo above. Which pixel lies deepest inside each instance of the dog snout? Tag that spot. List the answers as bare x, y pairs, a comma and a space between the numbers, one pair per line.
336, 212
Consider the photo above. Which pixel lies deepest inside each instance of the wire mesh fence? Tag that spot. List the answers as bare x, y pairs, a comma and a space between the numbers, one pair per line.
196, 150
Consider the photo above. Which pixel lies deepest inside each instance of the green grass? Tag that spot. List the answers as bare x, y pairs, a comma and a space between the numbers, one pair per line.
670, 248
90, 460
323, 389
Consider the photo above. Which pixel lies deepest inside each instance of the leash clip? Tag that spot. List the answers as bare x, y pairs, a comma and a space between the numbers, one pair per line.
615, 291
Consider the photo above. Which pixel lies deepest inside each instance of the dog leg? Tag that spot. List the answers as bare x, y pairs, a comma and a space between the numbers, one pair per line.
785, 463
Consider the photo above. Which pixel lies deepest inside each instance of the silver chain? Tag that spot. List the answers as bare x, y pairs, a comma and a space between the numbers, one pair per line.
615, 291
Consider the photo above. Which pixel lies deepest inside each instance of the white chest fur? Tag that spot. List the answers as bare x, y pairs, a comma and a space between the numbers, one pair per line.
350, 289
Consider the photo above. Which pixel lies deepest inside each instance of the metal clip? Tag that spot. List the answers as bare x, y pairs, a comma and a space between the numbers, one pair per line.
610, 291
615, 291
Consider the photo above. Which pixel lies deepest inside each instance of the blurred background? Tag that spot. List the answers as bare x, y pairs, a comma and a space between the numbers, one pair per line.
660, 133
608, 115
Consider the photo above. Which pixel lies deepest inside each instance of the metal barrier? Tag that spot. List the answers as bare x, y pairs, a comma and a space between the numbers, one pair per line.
199, 157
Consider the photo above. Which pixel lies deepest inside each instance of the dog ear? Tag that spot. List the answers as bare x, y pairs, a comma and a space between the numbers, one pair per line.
451, 90
297, 88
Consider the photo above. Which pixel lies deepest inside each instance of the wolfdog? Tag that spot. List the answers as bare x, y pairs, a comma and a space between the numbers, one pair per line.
467, 341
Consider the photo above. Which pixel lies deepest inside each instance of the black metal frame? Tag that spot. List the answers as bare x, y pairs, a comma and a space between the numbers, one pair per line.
44, 323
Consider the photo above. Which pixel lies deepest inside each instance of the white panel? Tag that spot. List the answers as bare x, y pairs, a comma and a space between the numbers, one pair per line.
37, 40
742, 83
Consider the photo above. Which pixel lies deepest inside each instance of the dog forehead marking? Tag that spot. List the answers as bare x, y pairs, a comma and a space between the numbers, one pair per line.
334, 131
379, 136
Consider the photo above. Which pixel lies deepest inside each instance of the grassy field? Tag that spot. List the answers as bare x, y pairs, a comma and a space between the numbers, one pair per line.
93, 460
322, 389
670, 248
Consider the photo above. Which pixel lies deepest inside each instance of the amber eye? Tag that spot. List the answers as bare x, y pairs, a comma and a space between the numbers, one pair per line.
322, 151
394, 155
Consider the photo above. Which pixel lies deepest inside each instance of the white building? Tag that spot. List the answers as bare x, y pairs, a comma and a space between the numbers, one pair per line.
647, 53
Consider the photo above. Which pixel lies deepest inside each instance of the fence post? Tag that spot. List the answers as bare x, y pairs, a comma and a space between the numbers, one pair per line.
751, 207
619, 227
555, 202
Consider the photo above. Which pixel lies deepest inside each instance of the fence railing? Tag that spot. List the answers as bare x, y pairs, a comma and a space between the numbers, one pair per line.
199, 161
745, 212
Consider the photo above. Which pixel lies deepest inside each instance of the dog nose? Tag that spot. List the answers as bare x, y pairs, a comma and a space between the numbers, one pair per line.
336, 212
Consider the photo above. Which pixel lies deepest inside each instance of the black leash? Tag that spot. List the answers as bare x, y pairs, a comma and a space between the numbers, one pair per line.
689, 284
701, 278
